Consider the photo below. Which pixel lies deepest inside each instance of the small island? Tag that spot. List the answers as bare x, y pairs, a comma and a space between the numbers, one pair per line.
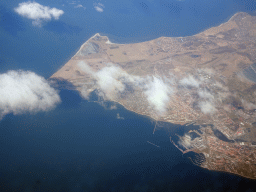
207, 79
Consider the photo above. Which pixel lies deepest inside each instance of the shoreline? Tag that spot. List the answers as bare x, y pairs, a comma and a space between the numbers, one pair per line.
179, 37
147, 113
154, 120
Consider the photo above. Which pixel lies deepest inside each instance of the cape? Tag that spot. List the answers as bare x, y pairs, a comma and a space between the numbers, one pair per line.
207, 79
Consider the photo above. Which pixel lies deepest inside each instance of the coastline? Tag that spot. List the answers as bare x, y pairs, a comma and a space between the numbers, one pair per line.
218, 25
180, 37
151, 118
146, 111
81, 47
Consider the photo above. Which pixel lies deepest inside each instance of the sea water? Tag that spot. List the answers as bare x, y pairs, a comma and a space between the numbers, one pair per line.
45, 49
80, 145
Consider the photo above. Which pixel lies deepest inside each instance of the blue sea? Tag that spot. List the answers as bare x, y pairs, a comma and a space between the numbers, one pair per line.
81, 145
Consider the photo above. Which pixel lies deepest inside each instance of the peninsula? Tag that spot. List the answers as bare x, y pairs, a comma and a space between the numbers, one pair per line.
207, 79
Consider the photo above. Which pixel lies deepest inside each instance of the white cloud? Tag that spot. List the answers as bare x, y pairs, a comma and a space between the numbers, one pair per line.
84, 67
190, 81
84, 93
205, 94
24, 91
207, 102
113, 107
247, 105
100, 4
111, 81
185, 141
108, 78
37, 23
99, 7
79, 6
158, 94
38, 13
207, 107
207, 99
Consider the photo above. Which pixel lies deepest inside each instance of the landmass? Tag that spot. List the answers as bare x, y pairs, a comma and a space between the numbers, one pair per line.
207, 79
